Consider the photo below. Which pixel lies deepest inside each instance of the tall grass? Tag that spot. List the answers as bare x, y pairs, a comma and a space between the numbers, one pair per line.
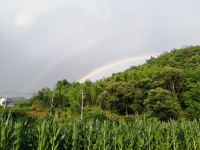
142, 134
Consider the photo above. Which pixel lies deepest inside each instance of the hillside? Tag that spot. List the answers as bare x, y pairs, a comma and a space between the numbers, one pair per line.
166, 87
175, 74
186, 58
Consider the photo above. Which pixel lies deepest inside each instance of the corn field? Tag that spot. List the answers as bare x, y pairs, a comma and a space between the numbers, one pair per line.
142, 134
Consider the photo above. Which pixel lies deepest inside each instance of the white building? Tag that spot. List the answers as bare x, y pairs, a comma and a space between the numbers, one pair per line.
6, 102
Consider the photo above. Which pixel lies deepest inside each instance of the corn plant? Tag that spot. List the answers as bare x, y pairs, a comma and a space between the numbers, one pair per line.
142, 134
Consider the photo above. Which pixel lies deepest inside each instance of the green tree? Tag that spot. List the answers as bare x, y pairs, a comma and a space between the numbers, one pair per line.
121, 98
44, 96
73, 96
169, 78
162, 104
60, 90
192, 101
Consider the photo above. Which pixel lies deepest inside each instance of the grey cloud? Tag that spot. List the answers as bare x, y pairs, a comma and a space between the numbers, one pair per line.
36, 34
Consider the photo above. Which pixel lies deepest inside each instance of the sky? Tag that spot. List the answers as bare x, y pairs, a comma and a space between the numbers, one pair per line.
43, 41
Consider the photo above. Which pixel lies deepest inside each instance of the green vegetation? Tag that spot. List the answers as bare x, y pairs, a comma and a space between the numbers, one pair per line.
152, 106
142, 134
166, 87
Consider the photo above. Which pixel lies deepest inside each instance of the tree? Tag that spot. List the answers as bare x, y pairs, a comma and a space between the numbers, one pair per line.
44, 96
60, 90
192, 101
73, 96
121, 98
162, 104
169, 78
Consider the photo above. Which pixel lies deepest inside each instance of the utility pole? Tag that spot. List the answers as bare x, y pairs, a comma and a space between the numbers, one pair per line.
52, 100
82, 97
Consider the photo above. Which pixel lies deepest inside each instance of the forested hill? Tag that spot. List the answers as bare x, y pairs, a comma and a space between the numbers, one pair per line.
164, 87
186, 58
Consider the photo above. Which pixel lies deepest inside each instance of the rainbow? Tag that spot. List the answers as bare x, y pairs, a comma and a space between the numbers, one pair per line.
87, 46
113, 64
97, 71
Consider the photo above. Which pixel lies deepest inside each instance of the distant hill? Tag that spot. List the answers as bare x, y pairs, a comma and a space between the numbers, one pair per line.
18, 99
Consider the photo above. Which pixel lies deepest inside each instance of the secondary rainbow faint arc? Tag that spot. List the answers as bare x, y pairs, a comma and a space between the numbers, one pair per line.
115, 63
44, 73
87, 46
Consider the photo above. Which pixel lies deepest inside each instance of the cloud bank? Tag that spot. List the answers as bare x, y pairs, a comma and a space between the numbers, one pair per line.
42, 41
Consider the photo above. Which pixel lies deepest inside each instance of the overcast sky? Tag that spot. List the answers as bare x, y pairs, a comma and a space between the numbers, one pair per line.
42, 41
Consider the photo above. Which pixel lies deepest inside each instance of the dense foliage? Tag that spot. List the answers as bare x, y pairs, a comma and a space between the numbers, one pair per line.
164, 87
141, 134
